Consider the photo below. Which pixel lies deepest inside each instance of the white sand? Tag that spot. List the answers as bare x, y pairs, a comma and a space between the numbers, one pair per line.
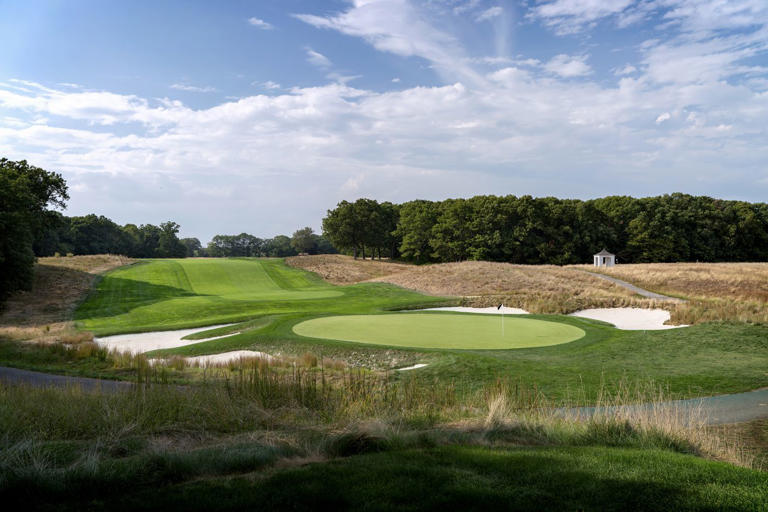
633, 319
485, 311
146, 341
226, 357
414, 367
623, 318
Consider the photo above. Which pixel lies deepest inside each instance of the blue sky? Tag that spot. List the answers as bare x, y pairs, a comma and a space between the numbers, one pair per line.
258, 116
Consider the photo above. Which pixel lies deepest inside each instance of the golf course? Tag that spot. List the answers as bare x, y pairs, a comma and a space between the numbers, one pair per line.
271, 308
313, 397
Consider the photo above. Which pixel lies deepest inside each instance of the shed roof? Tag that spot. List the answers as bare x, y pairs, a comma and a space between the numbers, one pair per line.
604, 253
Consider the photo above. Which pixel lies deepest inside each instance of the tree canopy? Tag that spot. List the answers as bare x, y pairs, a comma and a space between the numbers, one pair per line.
26, 192
674, 227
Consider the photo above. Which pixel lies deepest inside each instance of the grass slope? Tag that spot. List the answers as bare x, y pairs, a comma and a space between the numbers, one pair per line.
175, 294
440, 478
473, 478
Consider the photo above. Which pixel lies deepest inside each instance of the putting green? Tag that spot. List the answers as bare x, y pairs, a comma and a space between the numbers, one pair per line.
442, 330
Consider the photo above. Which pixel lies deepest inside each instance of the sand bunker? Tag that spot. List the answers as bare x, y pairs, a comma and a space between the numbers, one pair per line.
632, 319
485, 311
226, 357
628, 319
146, 341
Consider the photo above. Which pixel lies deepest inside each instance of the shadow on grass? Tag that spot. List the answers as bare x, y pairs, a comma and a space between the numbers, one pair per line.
472, 478
124, 295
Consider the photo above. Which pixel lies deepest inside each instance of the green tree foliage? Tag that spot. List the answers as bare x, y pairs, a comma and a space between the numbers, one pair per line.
169, 245
527, 230
26, 192
279, 247
193, 247
414, 229
242, 245
96, 234
341, 228
363, 227
304, 240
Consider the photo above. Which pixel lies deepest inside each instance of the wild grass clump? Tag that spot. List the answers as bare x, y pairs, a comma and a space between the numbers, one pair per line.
58, 442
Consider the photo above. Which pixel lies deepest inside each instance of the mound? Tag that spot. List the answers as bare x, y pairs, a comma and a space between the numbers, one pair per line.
43, 313
340, 269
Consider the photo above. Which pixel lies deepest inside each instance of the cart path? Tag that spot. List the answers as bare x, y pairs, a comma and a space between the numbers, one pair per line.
40, 379
635, 289
715, 410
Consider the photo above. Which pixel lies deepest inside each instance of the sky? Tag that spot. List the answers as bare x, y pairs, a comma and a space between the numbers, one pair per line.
258, 116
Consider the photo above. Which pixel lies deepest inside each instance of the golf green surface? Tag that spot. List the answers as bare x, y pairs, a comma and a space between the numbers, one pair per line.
441, 330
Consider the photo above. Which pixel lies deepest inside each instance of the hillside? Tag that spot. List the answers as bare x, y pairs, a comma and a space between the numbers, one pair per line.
536, 288
44, 312
716, 291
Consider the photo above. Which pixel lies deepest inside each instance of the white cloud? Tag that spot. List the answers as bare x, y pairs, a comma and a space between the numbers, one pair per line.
259, 23
469, 5
625, 70
569, 16
269, 84
317, 59
489, 14
192, 88
401, 28
395, 80
522, 125
568, 66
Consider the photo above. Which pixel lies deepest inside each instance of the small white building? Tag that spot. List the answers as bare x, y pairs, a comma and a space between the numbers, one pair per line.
604, 259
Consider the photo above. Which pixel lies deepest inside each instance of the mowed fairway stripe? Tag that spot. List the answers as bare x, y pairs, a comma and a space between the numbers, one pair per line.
440, 331
164, 294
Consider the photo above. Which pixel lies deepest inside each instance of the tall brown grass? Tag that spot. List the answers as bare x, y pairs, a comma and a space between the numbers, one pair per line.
340, 269
715, 291
44, 313
357, 412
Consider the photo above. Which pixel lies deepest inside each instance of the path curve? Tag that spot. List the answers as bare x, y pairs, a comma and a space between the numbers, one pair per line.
715, 410
633, 288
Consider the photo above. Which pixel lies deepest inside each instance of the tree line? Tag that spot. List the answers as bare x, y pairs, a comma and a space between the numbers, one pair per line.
31, 227
26, 192
303, 241
548, 230
96, 234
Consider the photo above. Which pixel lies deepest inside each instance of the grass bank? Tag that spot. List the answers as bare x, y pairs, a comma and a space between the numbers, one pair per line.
299, 440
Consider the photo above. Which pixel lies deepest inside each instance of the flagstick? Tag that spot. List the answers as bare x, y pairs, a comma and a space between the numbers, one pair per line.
502, 320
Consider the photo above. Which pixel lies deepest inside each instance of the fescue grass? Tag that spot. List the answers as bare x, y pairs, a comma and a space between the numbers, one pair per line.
340, 269
715, 291
188, 447
44, 313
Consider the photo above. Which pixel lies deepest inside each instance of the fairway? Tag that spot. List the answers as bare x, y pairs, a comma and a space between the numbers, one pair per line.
441, 330
175, 294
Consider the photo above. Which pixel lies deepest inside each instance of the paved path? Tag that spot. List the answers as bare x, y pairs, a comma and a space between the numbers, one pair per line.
713, 410
635, 289
716, 410
39, 379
